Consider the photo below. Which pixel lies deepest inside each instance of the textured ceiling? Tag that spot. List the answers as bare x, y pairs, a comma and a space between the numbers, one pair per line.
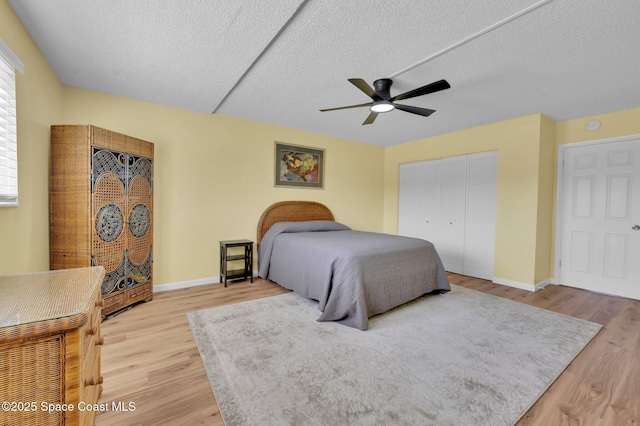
281, 61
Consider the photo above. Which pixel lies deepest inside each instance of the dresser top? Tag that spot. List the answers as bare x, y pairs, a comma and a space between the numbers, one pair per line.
49, 296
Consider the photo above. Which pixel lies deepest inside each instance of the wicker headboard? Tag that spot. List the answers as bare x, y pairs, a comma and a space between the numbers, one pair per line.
291, 211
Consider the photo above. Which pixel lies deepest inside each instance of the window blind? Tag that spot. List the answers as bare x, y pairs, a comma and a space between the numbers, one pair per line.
8, 129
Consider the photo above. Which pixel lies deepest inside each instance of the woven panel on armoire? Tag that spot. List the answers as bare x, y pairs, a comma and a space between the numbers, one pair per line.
122, 206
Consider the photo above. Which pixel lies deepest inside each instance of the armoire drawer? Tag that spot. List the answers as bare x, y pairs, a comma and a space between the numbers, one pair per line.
139, 293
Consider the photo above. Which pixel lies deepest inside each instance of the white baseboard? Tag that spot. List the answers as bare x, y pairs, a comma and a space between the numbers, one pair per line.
184, 284
522, 286
214, 280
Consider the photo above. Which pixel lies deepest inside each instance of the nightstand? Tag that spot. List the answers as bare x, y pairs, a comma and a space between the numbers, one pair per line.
235, 254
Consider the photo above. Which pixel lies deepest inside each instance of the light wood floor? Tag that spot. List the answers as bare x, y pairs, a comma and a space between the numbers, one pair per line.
150, 358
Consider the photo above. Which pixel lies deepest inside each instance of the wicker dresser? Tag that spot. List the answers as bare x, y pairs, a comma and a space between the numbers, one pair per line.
101, 209
50, 347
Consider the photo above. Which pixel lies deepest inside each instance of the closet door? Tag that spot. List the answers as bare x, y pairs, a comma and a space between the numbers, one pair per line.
420, 212
451, 202
453, 177
480, 217
429, 226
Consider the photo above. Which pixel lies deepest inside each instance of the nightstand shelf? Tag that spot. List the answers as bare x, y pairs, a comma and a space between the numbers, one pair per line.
225, 258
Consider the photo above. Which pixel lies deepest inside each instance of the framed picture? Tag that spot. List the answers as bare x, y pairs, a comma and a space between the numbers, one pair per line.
299, 166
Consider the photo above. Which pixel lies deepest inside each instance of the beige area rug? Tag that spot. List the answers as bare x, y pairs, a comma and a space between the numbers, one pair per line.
462, 358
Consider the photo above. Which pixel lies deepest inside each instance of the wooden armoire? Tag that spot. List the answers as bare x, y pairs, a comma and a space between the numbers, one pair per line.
101, 210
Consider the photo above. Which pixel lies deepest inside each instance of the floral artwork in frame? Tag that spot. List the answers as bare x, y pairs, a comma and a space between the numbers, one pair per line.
299, 166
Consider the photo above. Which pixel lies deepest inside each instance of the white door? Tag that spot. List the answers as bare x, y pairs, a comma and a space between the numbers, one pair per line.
419, 209
600, 243
451, 223
429, 206
480, 223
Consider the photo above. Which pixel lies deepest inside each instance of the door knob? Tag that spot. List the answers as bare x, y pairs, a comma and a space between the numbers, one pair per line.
635, 227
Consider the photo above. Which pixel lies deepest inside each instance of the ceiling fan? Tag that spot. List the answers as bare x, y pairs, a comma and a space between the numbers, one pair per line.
384, 102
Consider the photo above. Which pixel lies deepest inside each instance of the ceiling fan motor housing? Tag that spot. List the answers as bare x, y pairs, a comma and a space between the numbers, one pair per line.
382, 87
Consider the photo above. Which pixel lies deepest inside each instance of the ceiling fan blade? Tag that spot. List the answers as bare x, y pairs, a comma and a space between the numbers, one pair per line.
347, 107
415, 110
371, 118
436, 86
362, 85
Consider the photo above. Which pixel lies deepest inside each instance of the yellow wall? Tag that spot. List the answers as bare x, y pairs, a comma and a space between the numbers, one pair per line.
214, 176
613, 125
24, 230
518, 142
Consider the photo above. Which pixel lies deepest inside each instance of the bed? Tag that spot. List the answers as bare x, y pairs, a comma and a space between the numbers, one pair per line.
352, 274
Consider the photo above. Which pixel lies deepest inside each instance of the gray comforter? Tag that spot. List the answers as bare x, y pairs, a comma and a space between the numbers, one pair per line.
352, 274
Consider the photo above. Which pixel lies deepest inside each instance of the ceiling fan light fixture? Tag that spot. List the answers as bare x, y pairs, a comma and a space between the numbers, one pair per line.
382, 106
